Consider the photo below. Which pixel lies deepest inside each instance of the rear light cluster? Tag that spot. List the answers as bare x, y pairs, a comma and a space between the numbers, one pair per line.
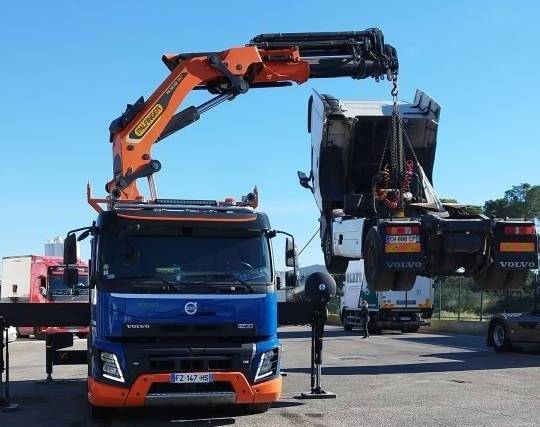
403, 230
520, 230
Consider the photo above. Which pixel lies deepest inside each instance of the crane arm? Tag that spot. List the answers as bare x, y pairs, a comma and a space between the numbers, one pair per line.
270, 60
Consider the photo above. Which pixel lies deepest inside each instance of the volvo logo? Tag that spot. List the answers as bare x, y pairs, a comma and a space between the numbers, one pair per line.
136, 326
190, 308
404, 264
517, 264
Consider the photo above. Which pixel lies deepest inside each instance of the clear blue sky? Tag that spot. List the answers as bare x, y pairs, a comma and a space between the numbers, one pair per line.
68, 68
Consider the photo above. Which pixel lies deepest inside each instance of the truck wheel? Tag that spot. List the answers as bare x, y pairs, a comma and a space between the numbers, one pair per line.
256, 408
100, 412
516, 279
334, 264
491, 279
377, 280
39, 335
499, 337
404, 281
410, 330
348, 327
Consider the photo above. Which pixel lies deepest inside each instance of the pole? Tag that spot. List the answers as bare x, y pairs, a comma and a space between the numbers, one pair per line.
481, 305
459, 299
5, 405
3, 400
440, 298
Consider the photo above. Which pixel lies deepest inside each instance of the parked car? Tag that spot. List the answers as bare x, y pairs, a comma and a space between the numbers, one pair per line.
511, 329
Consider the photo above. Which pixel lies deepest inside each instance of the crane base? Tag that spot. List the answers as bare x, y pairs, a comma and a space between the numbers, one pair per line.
10, 407
321, 394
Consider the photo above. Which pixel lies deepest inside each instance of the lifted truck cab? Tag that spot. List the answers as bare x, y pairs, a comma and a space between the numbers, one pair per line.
183, 307
411, 233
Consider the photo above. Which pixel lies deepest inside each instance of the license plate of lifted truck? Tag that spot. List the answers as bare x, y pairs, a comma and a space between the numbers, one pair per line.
192, 377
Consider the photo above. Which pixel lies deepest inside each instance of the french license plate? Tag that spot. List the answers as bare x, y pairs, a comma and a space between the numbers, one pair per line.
401, 239
191, 378
405, 318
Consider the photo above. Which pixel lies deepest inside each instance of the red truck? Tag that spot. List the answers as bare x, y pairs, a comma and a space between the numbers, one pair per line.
40, 279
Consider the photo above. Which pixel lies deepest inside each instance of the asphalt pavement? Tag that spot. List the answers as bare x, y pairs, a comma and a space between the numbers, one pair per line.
392, 379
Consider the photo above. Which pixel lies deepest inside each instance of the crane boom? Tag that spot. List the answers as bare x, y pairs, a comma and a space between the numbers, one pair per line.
269, 60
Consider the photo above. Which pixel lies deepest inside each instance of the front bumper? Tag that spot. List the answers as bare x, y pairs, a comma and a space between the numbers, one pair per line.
139, 394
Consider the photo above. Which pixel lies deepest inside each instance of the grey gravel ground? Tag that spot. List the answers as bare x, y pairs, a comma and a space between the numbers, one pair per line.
387, 380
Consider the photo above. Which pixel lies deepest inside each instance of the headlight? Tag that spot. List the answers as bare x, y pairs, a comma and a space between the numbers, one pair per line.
268, 364
110, 368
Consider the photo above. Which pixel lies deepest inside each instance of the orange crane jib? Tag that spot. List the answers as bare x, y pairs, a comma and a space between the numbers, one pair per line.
269, 60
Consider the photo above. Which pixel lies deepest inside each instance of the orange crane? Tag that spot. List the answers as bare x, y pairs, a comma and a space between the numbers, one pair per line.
269, 60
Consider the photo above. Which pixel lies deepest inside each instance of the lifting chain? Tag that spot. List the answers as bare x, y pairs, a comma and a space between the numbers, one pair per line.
398, 174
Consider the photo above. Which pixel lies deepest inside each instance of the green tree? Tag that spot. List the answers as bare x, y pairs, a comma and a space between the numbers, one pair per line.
520, 201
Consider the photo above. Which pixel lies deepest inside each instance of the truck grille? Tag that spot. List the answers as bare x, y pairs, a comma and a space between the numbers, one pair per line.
190, 364
156, 388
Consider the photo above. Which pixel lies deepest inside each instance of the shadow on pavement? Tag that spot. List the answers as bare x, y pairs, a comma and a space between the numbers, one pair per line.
64, 404
452, 362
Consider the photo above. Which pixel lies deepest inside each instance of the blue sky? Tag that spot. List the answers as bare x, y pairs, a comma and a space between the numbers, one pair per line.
68, 68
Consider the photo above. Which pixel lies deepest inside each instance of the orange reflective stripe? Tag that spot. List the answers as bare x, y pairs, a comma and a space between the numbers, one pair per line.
403, 247
517, 247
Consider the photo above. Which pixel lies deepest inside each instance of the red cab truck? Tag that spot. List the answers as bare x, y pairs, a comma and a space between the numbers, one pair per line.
40, 279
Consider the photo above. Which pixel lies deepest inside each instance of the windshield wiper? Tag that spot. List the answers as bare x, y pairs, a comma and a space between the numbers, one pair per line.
140, 279
232, 276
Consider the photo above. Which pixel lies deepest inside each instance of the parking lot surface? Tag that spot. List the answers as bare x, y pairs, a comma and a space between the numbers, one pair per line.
386, 380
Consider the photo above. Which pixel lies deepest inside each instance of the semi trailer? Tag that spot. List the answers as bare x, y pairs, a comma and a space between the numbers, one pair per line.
371, 176
404, 311
183, 292
40, 280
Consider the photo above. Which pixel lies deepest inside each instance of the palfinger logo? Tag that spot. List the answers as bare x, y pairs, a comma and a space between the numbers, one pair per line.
147, 121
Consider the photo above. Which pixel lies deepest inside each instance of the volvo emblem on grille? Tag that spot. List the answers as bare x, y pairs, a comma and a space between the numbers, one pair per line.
190, 308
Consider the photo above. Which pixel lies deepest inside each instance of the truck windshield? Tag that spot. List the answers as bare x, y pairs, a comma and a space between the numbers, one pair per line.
58, 287
182, 260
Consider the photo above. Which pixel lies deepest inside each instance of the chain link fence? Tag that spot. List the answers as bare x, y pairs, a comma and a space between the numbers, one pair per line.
458, 298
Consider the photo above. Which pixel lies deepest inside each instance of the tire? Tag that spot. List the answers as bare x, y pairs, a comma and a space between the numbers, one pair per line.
334, 264
346, 326
39, 335
404, 281
100, 412
491, 279
256, 408
516, 279
499, 337
22, 335
377, 280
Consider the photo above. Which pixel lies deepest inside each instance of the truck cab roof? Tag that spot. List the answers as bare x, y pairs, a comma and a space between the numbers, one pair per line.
208, 217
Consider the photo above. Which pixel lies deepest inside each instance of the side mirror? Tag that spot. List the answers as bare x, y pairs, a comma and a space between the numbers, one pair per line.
291, 253
291, 279
70, 250
304, 180
71, 276
279, 285
320, 287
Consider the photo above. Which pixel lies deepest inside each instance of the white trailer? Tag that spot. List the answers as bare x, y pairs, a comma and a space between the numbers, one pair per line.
16, 278
394, 310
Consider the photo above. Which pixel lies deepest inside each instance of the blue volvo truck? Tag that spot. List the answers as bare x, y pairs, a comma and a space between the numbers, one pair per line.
183, 306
